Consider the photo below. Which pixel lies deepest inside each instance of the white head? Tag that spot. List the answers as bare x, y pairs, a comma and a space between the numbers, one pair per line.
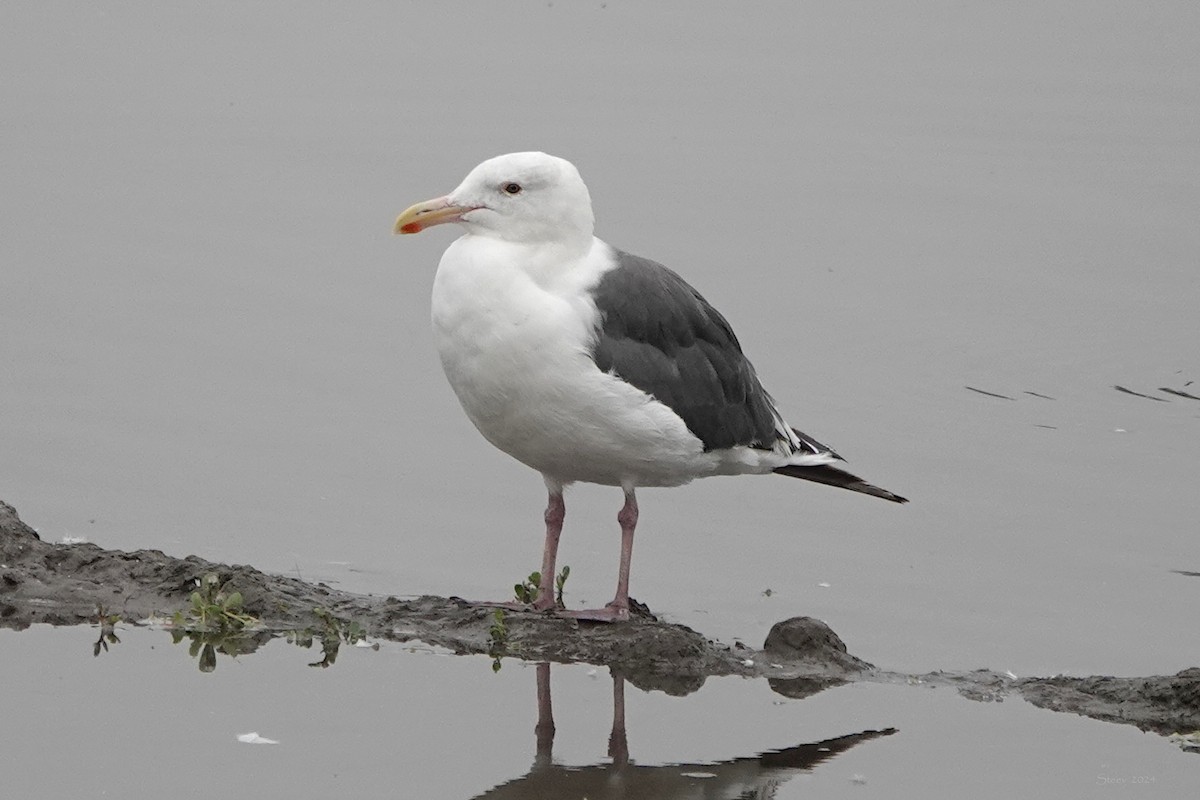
518, 197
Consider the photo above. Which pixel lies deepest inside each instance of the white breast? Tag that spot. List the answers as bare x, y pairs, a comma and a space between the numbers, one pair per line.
514, 327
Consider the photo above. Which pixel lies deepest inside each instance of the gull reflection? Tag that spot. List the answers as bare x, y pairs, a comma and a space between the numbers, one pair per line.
755, 777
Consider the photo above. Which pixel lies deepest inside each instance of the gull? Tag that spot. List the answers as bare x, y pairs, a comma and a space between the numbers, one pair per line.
589, 364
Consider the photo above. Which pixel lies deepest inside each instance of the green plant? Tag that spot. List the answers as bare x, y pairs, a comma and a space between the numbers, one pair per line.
559, 582
497, 638
214, 607
215, 621
527, 591
108, 634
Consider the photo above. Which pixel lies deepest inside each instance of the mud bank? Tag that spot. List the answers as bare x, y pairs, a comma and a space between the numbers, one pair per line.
68, 584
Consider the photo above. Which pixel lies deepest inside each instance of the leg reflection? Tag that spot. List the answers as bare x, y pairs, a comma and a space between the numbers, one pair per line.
618, 744
544, 730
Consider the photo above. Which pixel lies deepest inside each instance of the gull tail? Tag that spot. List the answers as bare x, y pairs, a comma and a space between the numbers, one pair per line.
832, 476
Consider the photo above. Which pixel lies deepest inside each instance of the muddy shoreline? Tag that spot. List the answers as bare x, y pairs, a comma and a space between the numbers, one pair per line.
68, 584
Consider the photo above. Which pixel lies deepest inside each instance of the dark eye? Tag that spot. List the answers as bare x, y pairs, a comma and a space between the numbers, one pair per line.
512, 188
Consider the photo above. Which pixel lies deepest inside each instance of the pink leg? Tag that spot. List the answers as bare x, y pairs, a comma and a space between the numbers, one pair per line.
556, 512
628, 517
618, 609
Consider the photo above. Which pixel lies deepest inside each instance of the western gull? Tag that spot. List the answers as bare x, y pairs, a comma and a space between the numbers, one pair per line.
590, 364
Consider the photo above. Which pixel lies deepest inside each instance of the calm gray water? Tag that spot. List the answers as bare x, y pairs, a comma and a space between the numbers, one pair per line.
210, 342
141, 720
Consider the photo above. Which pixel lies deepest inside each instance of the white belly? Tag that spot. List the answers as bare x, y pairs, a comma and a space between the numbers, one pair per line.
516, 352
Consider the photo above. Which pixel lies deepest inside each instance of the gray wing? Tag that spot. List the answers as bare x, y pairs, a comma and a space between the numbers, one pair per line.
657, 333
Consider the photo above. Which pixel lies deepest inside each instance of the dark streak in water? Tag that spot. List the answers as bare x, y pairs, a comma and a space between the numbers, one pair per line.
990, 394
1043, 396
1185, 572
1178, 393
1139, 394
1047, 427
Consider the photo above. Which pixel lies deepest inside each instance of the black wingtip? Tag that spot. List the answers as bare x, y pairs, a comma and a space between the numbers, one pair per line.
814, 446
832, 476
